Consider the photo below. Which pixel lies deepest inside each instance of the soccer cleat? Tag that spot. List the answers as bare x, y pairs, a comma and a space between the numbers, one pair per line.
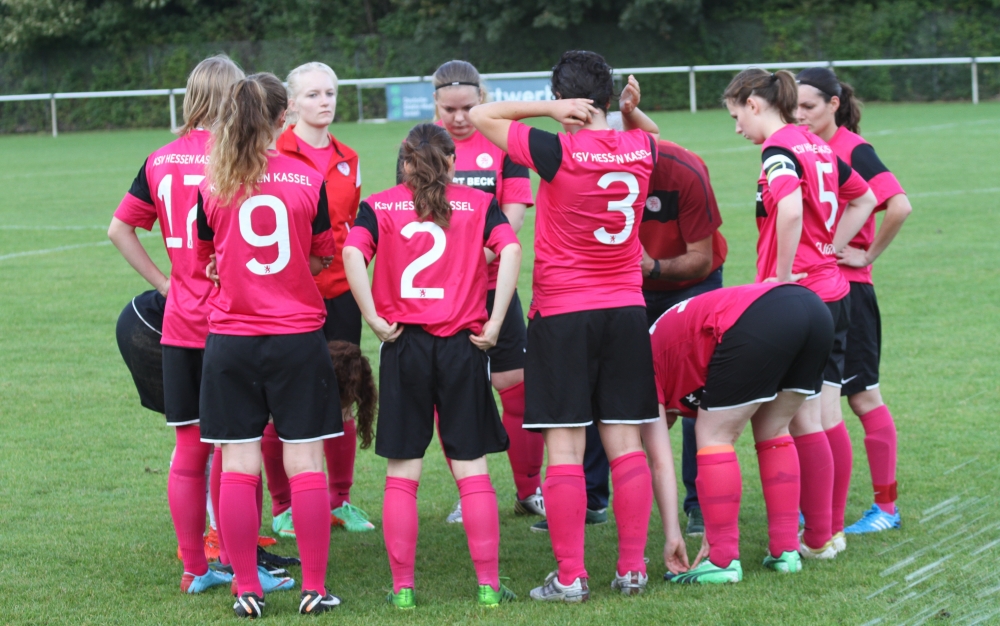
708, 573
249, 605
282, 524
402, 600
532, 505
196, 584
839, 542
489, 597
787, 563
313, 603
630, 584
352, 518
273, 562
825, 552
554, 591
271, 582
265, 542
875, 520
455, 517
594, 518
212, 544
696, 523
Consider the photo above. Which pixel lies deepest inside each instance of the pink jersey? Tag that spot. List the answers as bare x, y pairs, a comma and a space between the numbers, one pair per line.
860, 155
262, 246
593, 189
166, 190
684, 340
794, 158
427, 275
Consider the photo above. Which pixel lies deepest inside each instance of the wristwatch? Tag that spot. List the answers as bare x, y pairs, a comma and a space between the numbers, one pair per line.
655, 272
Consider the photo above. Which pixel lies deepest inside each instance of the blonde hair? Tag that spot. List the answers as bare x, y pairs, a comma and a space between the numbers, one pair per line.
456, 73
294, 86
247, 124
207, 85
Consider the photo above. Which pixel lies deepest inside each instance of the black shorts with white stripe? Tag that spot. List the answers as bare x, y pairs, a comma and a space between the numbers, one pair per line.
138, 332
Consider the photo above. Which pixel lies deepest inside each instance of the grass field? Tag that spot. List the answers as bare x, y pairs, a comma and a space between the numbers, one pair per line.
85, 534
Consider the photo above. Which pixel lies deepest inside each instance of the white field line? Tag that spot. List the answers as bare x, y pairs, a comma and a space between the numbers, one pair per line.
49, 227
882, 590
48, 173
17, 255
928, 568
942, 504
961, 465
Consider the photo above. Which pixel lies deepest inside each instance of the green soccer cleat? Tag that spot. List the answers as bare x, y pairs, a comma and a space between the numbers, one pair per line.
282, 524
405, 599
708, 573
489, 598
352, 518
787, 563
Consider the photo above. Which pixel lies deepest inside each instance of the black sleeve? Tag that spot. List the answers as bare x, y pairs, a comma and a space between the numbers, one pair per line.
366, 219
546, 153
652, 148
512, 169
780, 161
205, 232
321, 223
140, 186
843, 172
494, 217
866, 162
399, 166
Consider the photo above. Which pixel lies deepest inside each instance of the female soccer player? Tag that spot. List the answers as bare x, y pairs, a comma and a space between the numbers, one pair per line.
312, 103
588, 347
481, 165
797, 210
829, 108
165, 190
264, 222
732, 356
427, 303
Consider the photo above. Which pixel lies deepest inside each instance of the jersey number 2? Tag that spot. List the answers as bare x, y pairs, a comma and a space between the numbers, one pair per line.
422, 262
625, 206
164, 193
279, 236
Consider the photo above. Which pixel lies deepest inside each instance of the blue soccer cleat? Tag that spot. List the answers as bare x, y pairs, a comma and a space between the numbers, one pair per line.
196, 584
875, 520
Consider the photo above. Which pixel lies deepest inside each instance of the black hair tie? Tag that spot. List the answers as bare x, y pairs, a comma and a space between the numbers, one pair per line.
457, 83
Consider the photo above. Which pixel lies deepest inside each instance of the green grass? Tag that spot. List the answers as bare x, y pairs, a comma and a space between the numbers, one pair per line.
85, 534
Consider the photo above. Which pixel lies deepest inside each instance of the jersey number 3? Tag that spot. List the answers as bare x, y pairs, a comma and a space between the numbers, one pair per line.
624, 205
422, 262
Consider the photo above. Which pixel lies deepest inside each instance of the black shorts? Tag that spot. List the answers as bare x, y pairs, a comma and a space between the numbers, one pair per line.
289, 378
508, 354
864, 341
138, 332
589, 365
841, 313
182, 384
780, 343
419, 372
343, 319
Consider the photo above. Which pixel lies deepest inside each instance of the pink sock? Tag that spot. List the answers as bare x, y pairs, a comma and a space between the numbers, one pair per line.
215, 488
272, 450
340, 453
482, 527
779, 478
565, 493
399, 527
527, 448
239, 526
720, 488
312, 527
260, 503
816, 493
843, 462
880, 443
633, 501
186, 495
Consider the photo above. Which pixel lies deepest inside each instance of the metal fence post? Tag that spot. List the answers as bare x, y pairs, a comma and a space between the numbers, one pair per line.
55, 122
692, 92
975, 82
173, 111
361, 109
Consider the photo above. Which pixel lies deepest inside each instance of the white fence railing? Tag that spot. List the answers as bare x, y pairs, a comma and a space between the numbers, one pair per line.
376, 83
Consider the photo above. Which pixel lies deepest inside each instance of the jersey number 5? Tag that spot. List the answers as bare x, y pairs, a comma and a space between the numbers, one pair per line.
825, 196
422, 262
625, 206
279, 236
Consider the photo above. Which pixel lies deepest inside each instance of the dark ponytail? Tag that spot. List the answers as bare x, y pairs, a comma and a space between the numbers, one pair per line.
357, 386
778, 89
427, 150
823, 79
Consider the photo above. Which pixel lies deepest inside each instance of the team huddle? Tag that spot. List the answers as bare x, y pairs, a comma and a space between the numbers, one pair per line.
250, 346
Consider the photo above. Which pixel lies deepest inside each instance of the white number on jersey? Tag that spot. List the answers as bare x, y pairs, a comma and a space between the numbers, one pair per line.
164, 193
625, 206
827, 196
279, 236
422, 262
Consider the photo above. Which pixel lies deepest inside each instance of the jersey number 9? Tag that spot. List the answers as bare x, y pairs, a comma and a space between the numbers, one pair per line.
279, 236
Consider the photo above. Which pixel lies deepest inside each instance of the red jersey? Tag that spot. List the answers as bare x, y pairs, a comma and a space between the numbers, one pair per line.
860, 155
166, 190
680, 209
262, 246
593, 189
794, 158
338, 166
427, 275
684, 340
